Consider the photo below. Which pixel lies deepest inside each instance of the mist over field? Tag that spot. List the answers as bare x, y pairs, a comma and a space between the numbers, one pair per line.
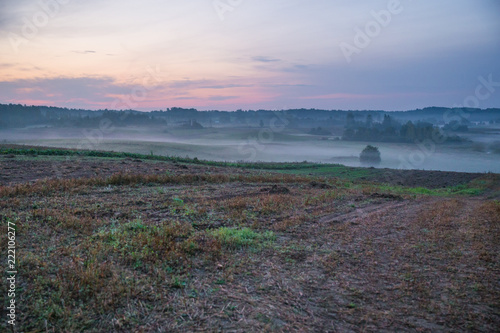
471, 145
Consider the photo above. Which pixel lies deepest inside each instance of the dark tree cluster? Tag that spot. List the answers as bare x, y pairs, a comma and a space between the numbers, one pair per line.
17, 115
319, 131
370, 155
390, 130
192, 124
456, 126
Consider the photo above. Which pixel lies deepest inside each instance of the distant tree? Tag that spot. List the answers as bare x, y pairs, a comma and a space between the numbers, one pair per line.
387, 122
225, 117
370, 155
348, 134
192, 124
349, 121
320, 131
261, 123
369, 121
455, 126
408, 132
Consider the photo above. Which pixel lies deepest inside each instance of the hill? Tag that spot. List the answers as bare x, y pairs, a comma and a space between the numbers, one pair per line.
127, 242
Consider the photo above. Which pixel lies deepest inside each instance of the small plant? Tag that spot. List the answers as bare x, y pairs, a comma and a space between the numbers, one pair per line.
135, 225
176, 282
237, 238
370, 155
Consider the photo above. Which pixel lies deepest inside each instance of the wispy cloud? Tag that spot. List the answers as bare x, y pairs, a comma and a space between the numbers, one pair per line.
7, 65
84, 52
265, 59
185, 84
185, 98
226, 86
275, 85
222, 98
63, 90
295, 68
340, 96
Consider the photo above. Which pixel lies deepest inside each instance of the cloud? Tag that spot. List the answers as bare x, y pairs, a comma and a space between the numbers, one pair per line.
204, 84
341, 96
84, 52
264, 59
275, 85
221, 98
226, 86
6, 65
7, 14
64, 91
295, 68
188, 84
185, 98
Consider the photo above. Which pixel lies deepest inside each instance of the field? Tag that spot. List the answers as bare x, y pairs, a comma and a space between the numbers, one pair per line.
122, 242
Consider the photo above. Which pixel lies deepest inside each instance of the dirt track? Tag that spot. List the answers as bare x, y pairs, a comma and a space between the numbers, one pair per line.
392, 267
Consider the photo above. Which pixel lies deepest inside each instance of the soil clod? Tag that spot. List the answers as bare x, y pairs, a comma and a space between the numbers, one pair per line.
315, 184
276, 189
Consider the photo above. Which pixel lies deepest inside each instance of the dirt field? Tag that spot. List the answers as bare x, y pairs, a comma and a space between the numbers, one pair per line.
25, 169
18, 170
172, 247
429, 179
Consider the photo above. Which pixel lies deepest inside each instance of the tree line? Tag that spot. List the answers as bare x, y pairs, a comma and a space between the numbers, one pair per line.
391, 130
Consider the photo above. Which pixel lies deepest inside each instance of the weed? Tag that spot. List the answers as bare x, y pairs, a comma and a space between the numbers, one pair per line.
238, 238
177, 282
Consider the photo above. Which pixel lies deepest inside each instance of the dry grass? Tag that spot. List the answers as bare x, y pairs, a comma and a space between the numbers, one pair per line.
195, 252
47, 186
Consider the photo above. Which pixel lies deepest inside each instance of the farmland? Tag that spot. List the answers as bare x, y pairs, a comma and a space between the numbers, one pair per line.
117, 242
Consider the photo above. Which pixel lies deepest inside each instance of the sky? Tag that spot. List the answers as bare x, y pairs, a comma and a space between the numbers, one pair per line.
258, 54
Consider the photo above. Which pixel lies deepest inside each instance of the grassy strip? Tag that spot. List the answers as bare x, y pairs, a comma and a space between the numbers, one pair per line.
236, 238
111, 154
461, 190
339, 170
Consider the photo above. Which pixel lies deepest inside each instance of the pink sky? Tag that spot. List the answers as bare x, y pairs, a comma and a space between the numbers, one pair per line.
256, 54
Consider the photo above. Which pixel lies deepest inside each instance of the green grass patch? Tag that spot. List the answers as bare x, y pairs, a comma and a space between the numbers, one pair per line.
238, 238
464, 189
112, 154
335, 170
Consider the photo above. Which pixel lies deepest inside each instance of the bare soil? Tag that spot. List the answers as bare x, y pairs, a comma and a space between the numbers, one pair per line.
17, 170
141, 254
428, 179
